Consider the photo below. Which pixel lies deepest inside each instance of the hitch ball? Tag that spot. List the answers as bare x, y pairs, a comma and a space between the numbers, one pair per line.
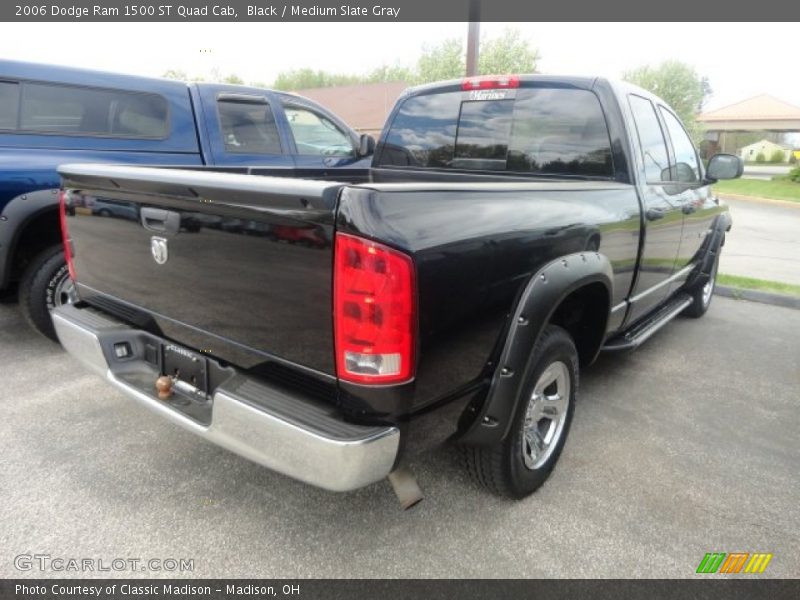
164, 387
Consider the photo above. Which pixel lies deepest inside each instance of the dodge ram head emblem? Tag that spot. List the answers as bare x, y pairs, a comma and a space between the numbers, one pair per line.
158, 246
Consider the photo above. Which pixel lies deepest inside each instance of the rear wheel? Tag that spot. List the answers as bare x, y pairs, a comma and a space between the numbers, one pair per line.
45, 284
519, 464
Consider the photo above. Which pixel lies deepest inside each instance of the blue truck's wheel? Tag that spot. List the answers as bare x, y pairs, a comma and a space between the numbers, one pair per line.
519, 464
45, 284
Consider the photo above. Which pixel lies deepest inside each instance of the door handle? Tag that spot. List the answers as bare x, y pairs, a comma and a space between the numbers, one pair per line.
654, 214
160, 220
688, 209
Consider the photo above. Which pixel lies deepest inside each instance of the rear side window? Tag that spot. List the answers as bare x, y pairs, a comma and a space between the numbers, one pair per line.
70, 110
9, 104
550, 131
248, 127
651, 140
686, 168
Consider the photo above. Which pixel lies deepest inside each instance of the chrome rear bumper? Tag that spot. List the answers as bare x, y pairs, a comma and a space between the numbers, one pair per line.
291, 434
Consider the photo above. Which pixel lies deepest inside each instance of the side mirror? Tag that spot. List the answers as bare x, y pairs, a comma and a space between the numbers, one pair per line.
724, 166
366, 145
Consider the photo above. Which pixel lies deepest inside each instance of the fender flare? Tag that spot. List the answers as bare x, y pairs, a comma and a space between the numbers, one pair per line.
541, 297
710, 250
17, 214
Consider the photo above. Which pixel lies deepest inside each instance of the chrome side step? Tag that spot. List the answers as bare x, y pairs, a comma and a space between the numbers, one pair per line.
642, 331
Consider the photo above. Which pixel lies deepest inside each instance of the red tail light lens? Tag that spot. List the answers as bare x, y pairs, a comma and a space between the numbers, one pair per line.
490, 83
374, 303
62, 214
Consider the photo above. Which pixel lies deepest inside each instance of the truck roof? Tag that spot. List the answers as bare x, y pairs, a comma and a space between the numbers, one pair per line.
91, 77
619, 86
453, 84
55, 73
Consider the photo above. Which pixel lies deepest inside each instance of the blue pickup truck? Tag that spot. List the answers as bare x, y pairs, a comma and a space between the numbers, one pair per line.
53, 115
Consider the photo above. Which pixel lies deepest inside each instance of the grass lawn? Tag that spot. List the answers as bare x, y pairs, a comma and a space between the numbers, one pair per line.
749, 283
777, 189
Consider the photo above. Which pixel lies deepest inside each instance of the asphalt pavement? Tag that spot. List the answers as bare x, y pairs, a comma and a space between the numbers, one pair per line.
765, 171
686, 446
764, 242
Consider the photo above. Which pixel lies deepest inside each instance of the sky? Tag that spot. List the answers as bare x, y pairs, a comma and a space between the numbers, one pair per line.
741, 60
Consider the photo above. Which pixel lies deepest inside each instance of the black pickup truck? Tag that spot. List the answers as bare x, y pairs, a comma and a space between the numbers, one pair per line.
512, 228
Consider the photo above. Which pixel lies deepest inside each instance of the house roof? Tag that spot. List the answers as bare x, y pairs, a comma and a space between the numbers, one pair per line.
763, 107
364, 106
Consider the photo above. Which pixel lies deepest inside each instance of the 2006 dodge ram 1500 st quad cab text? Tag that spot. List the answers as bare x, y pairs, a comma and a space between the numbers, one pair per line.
513, 227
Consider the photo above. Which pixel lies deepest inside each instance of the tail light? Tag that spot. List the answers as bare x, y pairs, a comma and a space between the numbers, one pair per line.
490, 83
374, 302
62, 214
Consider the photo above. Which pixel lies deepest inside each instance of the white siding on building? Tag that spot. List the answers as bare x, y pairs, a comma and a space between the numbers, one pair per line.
765, 147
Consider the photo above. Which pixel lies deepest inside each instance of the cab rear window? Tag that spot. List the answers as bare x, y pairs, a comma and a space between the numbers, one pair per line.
71, 110
9, 104
551, 131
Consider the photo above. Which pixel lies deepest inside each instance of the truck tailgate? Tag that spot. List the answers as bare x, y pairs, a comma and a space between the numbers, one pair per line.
237, 266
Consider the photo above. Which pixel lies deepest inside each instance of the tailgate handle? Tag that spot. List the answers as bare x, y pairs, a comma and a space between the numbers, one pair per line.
160, 220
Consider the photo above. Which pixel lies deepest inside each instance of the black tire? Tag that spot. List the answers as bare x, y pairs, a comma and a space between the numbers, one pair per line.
702, 295
502, 468
37, 289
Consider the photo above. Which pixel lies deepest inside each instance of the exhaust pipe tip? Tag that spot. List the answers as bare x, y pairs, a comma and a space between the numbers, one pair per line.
405, 487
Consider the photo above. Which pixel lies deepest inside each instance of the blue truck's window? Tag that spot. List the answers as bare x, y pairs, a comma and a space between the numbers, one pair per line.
248, 127
9, 104
316, 135
92, 112
651, 140
530, 131
686, 168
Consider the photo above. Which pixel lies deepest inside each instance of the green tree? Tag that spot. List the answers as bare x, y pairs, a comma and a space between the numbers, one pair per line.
390, 73
679, 85
508, 53
175, 74
760, 158
233, 79
445, 60
299, 79
777, 156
